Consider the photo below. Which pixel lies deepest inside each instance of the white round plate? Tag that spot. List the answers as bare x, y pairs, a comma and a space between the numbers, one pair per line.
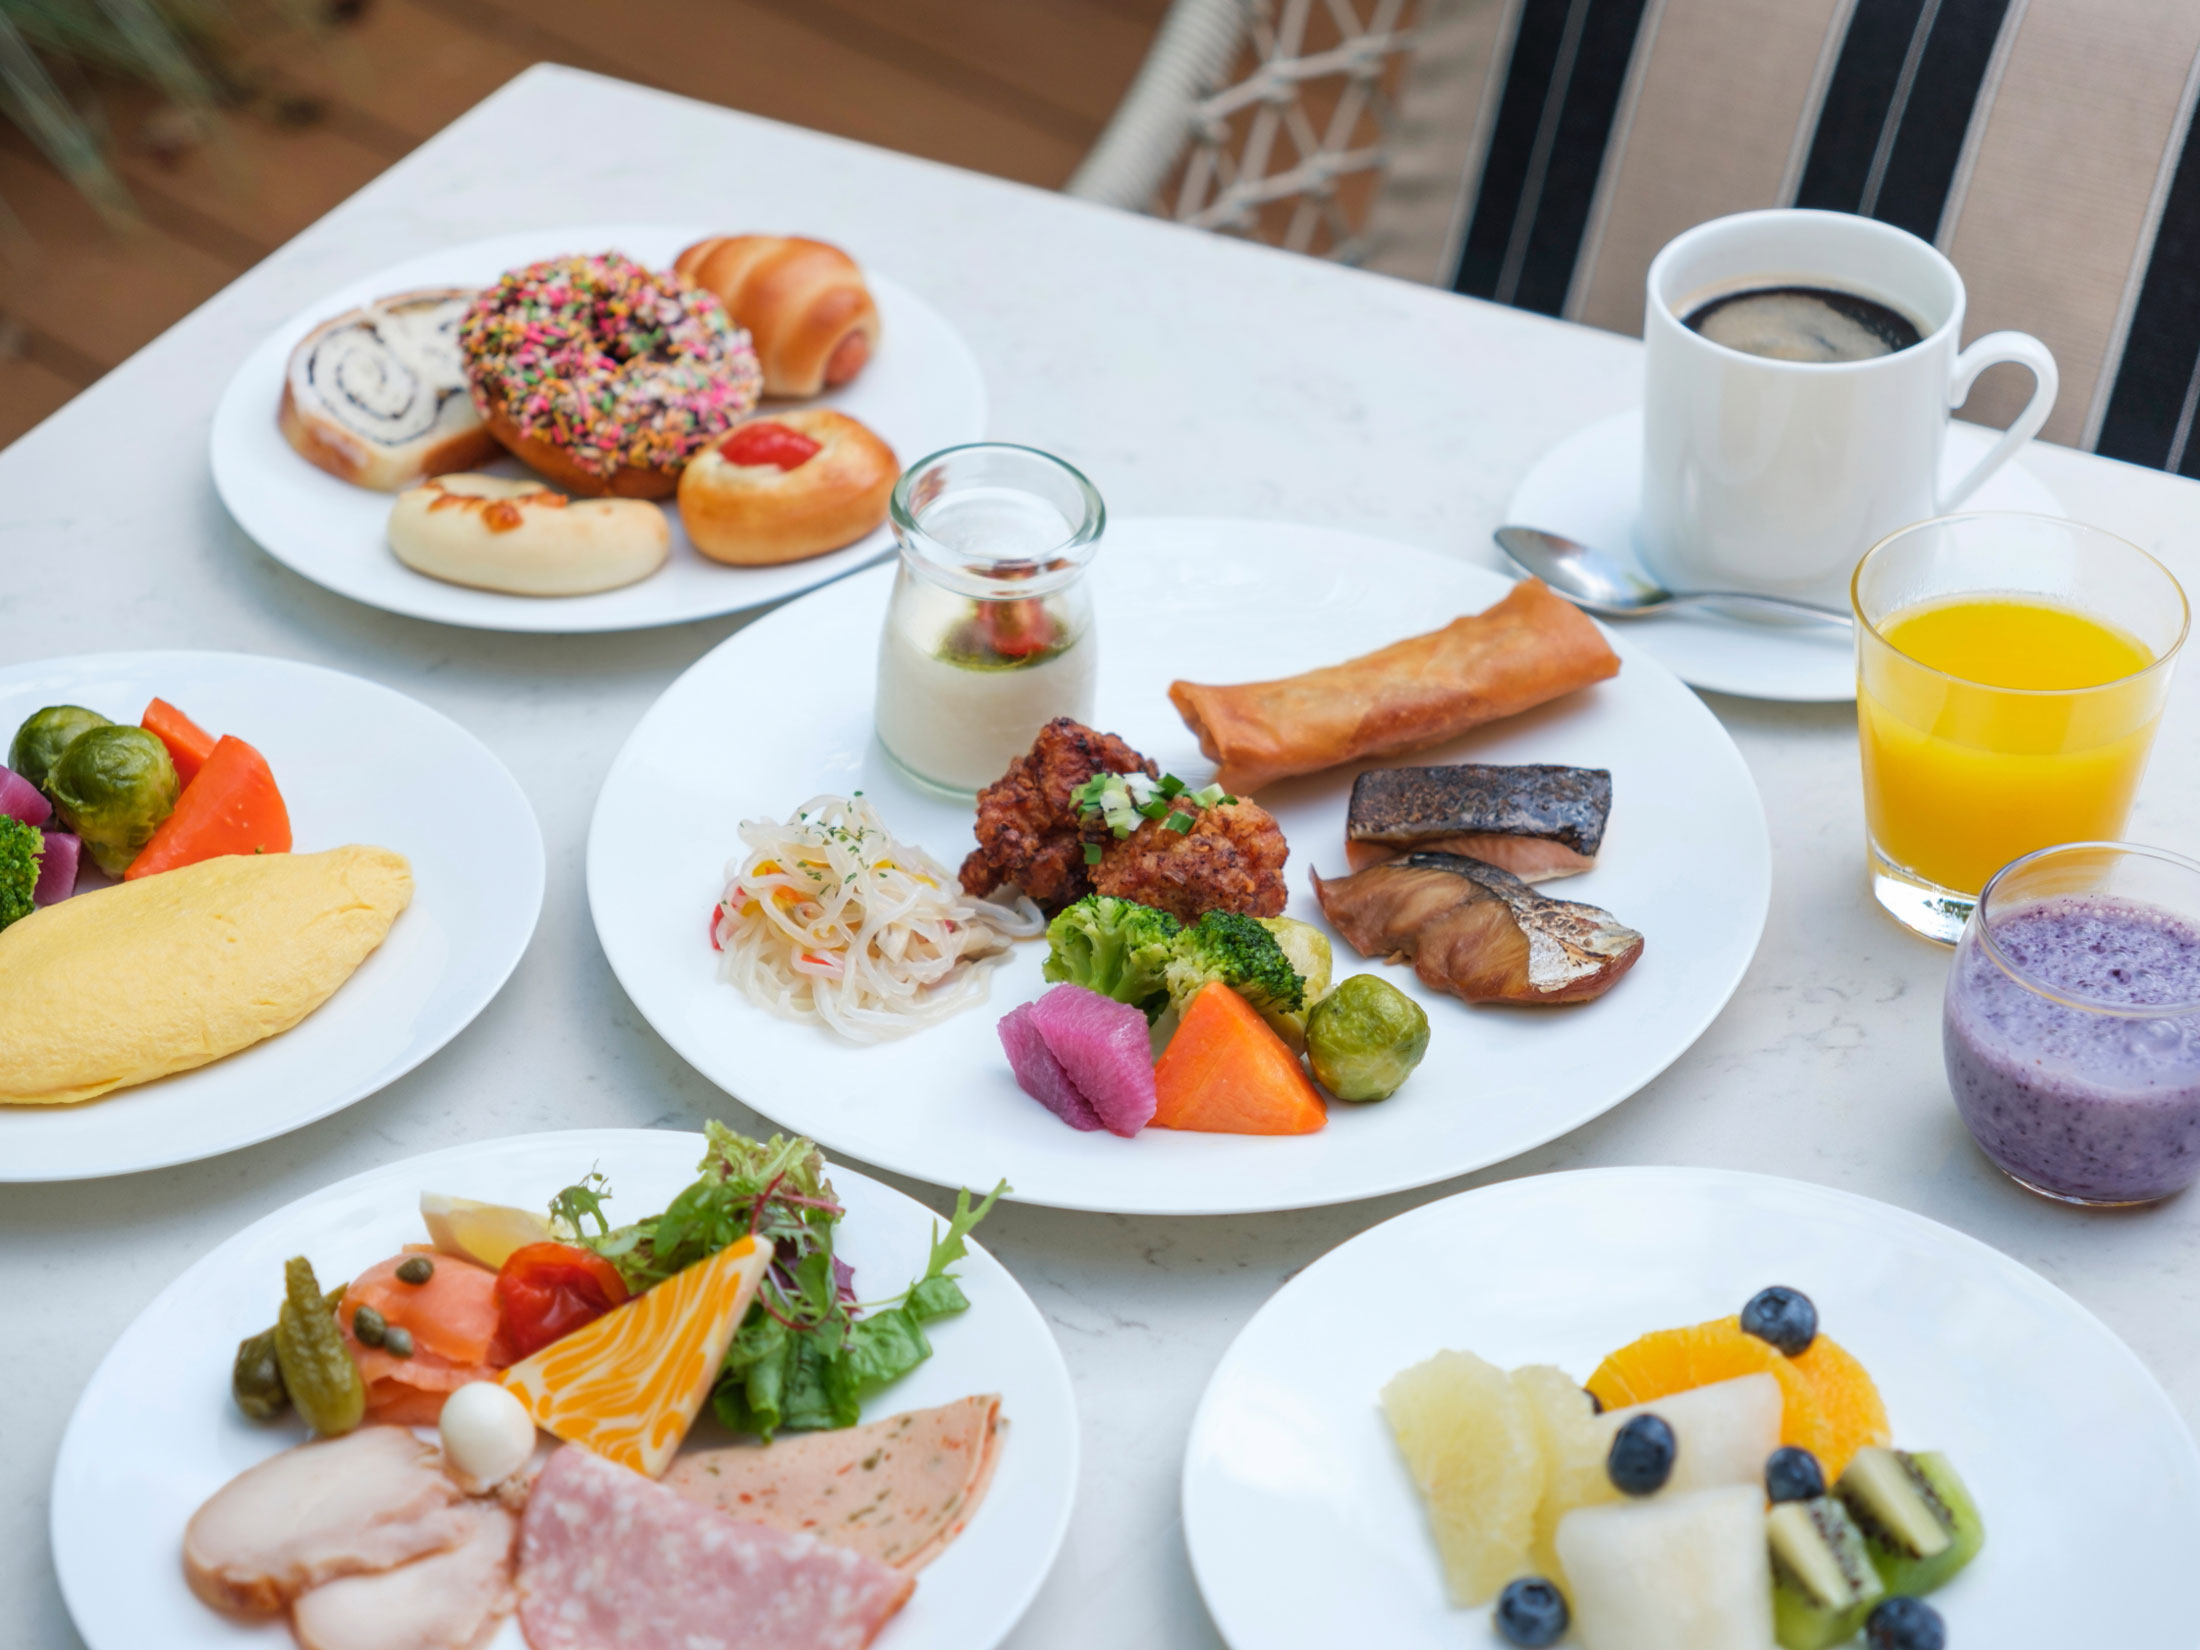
922, 392
782, 712
1587, 488
155, 1433
357, 763
1306, 1532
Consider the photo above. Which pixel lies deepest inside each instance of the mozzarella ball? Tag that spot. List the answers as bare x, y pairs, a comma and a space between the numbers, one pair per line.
487, 1436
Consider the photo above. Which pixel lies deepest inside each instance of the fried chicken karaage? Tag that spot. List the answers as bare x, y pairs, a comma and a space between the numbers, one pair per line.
1031, 833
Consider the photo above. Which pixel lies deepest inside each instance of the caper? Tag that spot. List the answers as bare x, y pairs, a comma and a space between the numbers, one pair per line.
397, 1341
368, 1326
317, 1366
415, 1269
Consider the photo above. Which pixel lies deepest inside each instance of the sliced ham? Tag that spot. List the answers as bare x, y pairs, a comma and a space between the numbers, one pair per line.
900, 1490
610, 1560
368, 1501
450, 1600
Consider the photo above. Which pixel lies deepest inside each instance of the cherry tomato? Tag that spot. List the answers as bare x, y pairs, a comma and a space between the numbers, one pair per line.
548, 1290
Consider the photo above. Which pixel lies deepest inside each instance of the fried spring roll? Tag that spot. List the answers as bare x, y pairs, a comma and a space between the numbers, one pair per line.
1529, 648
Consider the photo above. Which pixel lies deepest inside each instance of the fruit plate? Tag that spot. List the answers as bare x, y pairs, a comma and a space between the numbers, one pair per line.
1686, 861
921, 393
1306, 1532
155, 1432
354, 761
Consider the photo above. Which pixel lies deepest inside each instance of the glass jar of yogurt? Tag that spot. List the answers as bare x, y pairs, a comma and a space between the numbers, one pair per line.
2071, 1025
989, 633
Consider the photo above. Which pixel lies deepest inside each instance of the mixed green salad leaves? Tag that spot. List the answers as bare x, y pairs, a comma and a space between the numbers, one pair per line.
808, 1352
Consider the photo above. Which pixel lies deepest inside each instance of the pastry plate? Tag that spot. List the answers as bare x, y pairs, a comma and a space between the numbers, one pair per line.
353, 760
1306, 1532
1586, 487
155, 1432
921, 392
781, 712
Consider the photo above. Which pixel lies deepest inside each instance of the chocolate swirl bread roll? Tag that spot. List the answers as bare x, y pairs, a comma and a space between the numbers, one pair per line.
377, 396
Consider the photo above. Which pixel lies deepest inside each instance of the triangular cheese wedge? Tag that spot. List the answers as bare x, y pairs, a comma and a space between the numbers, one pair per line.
628, 1386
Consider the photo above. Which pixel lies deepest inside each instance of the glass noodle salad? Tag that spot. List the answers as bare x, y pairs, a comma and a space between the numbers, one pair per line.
828, 918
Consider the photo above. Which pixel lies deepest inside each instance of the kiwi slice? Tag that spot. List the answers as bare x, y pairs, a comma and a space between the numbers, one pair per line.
1823, 1583
1919, 1522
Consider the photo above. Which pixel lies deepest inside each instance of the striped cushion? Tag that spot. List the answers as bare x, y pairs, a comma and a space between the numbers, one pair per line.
2046, 145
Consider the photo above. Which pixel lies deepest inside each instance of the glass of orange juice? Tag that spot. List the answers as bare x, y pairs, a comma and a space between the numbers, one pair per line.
2011, 670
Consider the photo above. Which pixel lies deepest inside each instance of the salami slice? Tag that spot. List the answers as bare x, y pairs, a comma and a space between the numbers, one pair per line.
609, 1559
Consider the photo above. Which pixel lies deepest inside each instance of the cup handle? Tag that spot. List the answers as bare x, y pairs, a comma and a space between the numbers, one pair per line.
1993, 349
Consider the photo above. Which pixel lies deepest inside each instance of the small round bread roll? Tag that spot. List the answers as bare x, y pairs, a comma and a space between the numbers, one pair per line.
781, 488
496, 533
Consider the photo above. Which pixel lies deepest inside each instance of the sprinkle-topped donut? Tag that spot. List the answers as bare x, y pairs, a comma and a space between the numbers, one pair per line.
606, 376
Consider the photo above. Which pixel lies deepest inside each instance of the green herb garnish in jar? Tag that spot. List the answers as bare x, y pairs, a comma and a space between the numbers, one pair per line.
1011, 635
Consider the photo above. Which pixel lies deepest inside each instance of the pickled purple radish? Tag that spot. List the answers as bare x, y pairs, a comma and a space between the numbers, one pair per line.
57, 868
20, 799
1104, 1047
1039, 1074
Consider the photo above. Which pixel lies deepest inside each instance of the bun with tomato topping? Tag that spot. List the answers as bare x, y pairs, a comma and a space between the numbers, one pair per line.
803, 302
787, 486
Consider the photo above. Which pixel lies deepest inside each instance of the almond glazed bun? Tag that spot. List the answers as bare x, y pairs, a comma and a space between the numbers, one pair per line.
787, 486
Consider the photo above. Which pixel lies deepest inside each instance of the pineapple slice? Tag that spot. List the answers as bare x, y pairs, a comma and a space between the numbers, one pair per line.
1674, 1572
1469, 1439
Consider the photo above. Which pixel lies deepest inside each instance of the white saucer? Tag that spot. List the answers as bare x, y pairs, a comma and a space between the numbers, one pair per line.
1586, 487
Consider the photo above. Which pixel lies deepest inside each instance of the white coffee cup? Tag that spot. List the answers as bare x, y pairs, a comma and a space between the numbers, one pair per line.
1776, 476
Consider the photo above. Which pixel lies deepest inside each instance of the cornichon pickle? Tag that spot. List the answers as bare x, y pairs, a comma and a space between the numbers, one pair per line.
256, 1378
317, 1367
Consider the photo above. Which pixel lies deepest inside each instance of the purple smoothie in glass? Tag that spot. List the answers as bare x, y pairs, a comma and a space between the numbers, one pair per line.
2096, 1104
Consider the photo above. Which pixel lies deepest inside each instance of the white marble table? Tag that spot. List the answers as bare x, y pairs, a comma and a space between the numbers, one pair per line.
1186, 374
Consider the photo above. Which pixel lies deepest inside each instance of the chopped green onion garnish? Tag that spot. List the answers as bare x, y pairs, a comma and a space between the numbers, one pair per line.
1179, 823
1092, 853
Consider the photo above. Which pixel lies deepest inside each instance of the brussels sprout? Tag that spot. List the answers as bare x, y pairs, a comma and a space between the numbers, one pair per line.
1364, 1039
113, 786
42, 738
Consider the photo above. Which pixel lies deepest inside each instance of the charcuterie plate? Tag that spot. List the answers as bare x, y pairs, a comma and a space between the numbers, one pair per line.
156, 1431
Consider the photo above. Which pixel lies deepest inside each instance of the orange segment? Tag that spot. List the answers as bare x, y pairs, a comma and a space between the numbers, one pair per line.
1829, 1404
628, 1386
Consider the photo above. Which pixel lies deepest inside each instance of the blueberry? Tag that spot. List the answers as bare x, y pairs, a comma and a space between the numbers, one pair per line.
1783, 1317
1642, 1455
1904, 1624
1793, 1474
1531, 1612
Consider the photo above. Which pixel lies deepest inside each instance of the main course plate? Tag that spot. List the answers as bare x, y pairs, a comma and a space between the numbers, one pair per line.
156, 1432
781, 712
1306, 1532
920, 393
355, 762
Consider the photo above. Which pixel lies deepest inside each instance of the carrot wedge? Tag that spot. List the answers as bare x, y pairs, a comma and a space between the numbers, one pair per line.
232, 807
1226, 1072
189, 745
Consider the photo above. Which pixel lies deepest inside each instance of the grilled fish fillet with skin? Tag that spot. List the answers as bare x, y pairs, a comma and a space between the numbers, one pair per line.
149, 978
368, 1501
452, 1600
1479, 932
1535, 820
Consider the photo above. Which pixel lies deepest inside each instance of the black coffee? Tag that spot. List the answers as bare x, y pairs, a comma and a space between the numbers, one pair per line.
1804, 323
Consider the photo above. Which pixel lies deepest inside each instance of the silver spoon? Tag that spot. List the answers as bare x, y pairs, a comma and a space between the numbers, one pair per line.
1589, 578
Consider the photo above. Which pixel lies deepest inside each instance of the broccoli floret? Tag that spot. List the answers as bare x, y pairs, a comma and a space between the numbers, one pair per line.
1244, 956
20, 849
1115, 947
